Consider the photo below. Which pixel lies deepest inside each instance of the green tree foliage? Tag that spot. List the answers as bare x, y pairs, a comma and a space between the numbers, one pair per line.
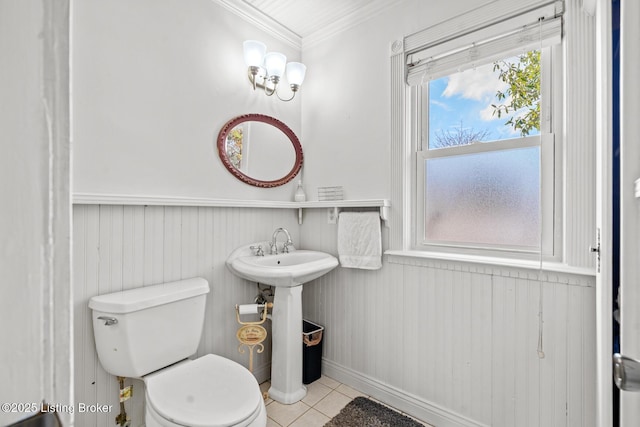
523, 80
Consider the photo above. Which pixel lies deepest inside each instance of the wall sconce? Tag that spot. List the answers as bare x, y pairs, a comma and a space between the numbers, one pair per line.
266, 69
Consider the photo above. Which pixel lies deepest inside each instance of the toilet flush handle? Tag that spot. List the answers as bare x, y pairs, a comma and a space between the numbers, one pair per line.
108, 321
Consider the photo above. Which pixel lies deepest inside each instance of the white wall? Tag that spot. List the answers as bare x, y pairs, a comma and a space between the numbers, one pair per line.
153, 83
454, 343
36, 361
346, 114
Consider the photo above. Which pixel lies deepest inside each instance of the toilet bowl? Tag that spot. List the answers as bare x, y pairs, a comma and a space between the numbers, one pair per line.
149, 333
210, 391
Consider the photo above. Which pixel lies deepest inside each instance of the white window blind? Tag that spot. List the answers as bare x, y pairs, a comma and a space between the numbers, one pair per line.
539, 28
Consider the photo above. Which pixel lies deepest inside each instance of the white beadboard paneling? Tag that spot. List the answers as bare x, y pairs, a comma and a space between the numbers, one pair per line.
133, 245
122, 247
589, 386
399, 161
456, 343
413, 329
579, 155
154, 245
482, 336
453, 343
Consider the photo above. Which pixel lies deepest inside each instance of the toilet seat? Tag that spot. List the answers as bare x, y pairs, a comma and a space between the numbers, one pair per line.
211, 391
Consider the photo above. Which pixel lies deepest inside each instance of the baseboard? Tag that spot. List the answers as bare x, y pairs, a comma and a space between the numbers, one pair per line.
262, 372
399, 399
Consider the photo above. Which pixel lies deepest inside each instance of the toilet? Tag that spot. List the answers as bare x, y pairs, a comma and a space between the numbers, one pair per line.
150, 333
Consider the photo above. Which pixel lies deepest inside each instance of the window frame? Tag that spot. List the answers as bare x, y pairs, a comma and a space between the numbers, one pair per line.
548, 140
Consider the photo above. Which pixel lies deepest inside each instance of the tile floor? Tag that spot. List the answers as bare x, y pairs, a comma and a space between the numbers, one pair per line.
324, 400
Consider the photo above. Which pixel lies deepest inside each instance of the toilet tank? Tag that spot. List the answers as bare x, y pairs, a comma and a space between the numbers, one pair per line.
146, 329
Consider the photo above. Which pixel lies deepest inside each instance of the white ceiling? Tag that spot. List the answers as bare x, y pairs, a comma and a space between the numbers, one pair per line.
305, 17
309, 20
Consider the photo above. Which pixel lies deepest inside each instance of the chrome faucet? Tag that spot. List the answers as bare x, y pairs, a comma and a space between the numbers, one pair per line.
273, 244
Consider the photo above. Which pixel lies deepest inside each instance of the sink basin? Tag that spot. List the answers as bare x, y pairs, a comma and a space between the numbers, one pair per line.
286, 272
280, 270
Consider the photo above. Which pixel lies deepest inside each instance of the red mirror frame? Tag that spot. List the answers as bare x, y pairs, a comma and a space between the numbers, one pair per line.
222, 152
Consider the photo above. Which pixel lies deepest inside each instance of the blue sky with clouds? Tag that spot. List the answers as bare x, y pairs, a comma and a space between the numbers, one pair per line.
464, 99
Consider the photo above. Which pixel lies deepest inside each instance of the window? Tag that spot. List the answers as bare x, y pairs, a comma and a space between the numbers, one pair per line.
485, 163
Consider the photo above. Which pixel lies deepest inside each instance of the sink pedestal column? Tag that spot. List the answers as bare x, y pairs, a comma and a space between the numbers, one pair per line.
286, 349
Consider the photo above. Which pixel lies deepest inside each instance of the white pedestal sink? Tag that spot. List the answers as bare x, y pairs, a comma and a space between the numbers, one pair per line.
286, 272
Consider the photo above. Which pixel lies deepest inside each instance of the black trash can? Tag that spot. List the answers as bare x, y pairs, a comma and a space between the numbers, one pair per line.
311, 351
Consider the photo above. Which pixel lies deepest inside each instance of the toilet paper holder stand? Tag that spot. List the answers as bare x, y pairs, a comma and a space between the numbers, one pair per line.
263, 309
252, 334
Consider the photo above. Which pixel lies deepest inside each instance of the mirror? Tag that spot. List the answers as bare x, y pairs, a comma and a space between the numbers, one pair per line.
260, 150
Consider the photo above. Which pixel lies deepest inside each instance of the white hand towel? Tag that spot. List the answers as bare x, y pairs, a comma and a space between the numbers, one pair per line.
360, 240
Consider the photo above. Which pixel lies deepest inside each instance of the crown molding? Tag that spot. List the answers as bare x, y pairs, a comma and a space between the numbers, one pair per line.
262, 21
373, 8
280, 32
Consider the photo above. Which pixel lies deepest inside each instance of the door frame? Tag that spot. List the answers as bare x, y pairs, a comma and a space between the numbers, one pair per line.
629, 211
603, 236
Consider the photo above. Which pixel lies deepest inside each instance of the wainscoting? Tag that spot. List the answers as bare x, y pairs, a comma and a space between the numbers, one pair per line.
122, 247
456, 344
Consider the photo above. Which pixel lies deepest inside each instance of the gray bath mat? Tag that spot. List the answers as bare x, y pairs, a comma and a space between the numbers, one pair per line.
363, 412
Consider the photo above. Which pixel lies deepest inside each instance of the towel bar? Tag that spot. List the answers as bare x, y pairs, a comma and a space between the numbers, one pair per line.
334, 207
335, 211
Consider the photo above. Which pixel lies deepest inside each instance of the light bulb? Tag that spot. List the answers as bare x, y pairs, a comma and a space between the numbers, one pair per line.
254, 52
295, 73
275, 63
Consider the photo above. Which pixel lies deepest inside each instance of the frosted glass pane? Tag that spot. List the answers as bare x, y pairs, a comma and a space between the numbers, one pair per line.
486, 198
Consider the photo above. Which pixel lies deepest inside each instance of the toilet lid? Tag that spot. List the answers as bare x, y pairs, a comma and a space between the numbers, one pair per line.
210, 391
